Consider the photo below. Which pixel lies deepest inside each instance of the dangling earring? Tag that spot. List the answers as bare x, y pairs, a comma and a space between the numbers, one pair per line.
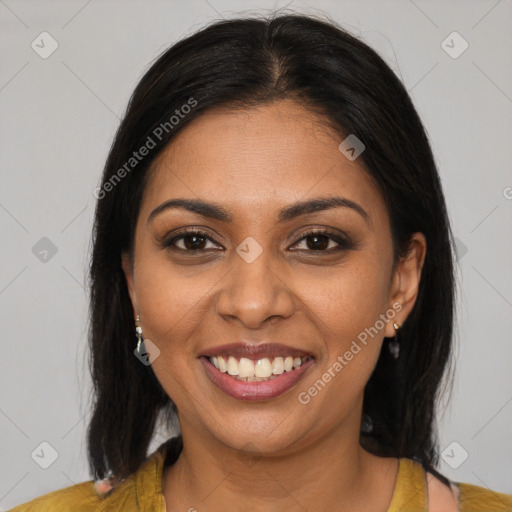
366, 424
138, 331
394, 346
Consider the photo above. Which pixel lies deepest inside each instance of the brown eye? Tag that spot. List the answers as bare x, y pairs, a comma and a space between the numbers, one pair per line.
320, 241
193, 241
315, 241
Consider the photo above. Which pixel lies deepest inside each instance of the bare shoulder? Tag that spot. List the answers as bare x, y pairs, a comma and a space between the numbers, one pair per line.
462, 497
440, 497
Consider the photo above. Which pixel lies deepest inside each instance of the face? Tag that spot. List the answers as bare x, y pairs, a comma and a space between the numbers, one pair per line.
262, 277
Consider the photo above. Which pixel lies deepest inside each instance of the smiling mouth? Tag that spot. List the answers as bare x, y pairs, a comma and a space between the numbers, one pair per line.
257, 370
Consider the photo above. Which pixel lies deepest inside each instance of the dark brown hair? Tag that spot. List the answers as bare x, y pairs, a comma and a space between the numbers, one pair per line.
242, 63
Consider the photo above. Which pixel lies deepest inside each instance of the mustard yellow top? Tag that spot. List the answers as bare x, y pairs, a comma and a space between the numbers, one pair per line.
142, 492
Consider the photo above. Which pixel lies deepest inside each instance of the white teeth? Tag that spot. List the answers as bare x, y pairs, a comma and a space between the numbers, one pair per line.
278, 366
246, 368
232, 366
263, 368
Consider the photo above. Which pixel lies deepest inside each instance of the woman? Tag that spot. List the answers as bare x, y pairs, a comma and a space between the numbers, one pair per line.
272, 229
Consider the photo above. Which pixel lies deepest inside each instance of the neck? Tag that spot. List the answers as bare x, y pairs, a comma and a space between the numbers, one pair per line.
332, 472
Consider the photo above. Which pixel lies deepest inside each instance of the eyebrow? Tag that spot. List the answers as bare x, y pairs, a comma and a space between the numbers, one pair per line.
218, 212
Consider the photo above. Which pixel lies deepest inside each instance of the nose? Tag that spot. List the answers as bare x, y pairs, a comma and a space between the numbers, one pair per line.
256, 292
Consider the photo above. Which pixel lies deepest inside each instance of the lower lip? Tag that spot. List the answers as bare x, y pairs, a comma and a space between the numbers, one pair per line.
262, 390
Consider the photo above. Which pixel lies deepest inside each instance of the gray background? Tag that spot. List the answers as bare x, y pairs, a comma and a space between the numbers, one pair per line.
58, 118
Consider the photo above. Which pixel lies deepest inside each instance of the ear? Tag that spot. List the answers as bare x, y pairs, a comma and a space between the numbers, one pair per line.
406, 281
127, 264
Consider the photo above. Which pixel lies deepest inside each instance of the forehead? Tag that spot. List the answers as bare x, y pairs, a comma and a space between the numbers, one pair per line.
259, 159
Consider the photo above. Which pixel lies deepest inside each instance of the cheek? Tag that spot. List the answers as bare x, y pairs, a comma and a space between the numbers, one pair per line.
347, 313
166, 300
352, 298
171, 309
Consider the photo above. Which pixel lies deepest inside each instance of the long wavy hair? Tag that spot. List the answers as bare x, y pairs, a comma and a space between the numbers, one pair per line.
241, 63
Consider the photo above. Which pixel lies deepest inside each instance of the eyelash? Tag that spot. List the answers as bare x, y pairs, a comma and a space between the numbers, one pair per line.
343, 243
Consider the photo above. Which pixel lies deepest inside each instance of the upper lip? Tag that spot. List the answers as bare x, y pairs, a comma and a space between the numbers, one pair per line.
255, 351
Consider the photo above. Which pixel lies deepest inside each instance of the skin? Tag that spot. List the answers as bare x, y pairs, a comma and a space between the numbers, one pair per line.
277, 454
